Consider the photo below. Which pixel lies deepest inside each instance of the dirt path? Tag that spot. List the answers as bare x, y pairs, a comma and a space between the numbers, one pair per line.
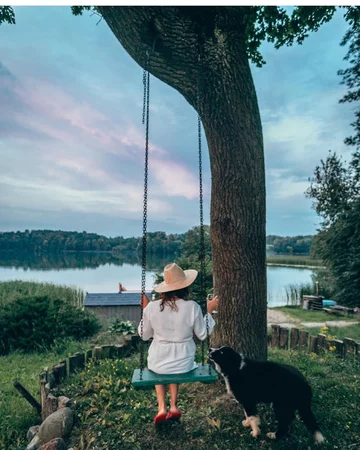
275, 317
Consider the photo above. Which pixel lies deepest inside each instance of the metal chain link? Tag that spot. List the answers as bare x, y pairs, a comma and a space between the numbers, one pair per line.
146, 81
202, 233
145, 93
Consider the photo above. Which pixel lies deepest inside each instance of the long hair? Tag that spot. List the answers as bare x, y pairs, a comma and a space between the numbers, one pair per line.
168, 298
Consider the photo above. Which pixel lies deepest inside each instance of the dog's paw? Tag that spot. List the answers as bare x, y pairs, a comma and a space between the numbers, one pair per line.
255, 433
271, 435
246, 423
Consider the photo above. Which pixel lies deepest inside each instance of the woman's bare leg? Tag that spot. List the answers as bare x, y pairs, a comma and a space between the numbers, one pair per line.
161, 397
174, 389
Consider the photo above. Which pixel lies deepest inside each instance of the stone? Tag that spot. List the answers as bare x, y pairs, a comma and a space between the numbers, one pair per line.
57, 425
32, 432
54, 444
64, 402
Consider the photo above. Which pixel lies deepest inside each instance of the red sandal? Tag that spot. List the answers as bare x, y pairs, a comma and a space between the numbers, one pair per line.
160, 419
173, 415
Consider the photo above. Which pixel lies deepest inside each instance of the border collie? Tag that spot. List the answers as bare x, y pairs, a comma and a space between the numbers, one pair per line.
252, 382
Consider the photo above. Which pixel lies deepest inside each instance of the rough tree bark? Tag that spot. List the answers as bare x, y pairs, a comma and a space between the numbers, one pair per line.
231, 120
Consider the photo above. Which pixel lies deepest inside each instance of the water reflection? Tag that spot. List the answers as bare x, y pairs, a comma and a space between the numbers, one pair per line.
101, 272
75, 260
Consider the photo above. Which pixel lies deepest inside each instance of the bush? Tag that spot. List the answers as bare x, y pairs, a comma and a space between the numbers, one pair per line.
35, 322
122, 327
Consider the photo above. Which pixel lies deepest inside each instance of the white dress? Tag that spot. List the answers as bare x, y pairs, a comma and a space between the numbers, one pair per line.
173, 348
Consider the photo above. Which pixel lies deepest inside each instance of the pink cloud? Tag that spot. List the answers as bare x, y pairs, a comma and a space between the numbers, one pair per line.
174, 179
49, 110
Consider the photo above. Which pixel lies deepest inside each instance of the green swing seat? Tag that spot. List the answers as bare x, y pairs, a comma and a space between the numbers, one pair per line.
203, 374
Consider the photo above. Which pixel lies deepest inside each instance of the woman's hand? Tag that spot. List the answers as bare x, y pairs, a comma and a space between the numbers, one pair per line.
212, 304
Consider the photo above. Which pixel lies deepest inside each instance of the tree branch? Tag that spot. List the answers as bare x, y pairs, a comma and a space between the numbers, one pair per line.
179, 33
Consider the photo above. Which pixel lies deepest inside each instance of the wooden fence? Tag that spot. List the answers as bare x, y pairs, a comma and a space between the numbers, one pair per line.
280, 337
50, 378
294, 338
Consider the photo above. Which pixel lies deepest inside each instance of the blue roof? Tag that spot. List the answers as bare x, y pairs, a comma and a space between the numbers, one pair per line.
124, 299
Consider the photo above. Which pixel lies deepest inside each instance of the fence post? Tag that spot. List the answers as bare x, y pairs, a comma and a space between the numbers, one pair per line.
294, 338
76, 362
304, 337
105, 353
322, 343
339, 346
284, 338
89, 355
43, 381
97, 353
59, 372
350, 347
313, 344
275, 335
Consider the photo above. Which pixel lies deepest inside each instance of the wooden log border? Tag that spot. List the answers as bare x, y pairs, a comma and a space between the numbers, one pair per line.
279, 337
294, 338
51, 378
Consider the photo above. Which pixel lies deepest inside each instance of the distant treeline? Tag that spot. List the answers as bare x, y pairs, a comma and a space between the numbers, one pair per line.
158, 243
44, 241
293, 245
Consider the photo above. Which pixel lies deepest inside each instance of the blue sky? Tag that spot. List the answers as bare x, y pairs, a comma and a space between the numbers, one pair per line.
72, 142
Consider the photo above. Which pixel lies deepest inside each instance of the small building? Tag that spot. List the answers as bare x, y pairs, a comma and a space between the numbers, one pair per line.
124, 305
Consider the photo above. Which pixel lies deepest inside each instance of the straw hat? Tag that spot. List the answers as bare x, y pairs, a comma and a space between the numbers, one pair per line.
176, 278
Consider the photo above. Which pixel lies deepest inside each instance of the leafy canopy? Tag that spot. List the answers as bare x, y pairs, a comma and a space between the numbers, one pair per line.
273, 24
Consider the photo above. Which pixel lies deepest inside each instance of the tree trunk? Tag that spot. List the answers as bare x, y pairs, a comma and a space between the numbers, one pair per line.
175, 37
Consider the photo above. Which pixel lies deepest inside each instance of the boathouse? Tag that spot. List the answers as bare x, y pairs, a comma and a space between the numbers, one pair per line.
110, 306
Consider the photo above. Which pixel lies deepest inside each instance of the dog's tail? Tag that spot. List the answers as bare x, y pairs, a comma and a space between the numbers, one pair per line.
311, 423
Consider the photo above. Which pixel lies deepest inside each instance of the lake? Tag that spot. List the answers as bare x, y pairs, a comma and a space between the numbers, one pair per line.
103, 272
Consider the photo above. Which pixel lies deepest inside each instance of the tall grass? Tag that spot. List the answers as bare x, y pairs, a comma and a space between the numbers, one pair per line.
295, 292
12, 290
295, 260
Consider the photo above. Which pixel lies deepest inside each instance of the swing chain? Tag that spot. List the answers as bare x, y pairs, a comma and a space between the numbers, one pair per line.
146, 82
202, 254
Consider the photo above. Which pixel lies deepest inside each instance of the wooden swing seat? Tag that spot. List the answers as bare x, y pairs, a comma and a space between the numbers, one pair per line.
150, 379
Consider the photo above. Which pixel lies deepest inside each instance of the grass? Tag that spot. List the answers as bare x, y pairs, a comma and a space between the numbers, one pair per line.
294, 261
111, 415
11, 290
297, 312
351, 331
15, 412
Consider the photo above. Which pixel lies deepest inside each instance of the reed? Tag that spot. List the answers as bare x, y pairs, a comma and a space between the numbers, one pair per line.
12, 290
294, 261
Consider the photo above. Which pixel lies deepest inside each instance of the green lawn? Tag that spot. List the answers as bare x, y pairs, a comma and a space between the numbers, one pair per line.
297, 312
15, 412
352, 331
112, 416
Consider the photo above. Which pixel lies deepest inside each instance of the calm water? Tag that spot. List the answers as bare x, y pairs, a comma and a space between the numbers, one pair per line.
102, 273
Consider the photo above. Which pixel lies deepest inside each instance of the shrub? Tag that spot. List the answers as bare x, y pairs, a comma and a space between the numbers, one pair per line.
122, 327
35, 322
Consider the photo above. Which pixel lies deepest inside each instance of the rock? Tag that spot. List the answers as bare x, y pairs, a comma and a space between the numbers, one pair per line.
54, 444
63, 402
57, 425
32, 432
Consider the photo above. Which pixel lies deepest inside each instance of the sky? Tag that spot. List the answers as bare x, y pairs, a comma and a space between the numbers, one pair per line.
72, 141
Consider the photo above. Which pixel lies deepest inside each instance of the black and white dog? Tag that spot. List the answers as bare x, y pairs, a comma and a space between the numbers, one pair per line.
252, 382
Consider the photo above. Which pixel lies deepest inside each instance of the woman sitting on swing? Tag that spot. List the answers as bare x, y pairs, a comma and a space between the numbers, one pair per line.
172, 321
